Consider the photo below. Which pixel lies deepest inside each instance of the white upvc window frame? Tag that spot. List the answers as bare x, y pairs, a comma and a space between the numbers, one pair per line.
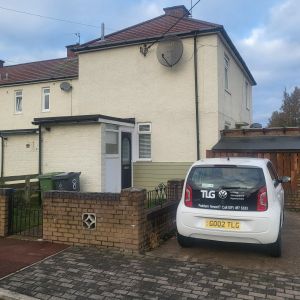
247, 96
226, 73
117, 131
44, 97
149, 132
18, 98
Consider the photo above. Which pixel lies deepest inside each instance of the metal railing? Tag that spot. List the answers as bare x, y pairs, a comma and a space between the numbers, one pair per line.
26, 213
162, 194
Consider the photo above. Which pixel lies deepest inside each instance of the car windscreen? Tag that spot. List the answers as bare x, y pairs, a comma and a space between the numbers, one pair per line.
226, 187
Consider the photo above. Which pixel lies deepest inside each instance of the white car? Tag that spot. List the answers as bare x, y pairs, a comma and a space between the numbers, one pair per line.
232, 200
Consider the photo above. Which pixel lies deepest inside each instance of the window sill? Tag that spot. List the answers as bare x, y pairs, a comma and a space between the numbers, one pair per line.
18, 113
144, 160
112, 155
45, 111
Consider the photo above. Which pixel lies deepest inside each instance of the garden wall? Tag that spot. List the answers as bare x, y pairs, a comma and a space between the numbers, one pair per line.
108, 220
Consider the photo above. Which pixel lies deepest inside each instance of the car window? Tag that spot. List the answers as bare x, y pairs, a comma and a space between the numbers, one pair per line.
273, 174
217, 177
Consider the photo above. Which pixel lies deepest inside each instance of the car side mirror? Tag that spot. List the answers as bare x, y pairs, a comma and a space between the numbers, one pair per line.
284, 179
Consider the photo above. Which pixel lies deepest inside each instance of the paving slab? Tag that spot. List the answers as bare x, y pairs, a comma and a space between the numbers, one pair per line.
16, 254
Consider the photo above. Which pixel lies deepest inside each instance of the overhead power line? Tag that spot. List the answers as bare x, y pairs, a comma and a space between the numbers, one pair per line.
47, 17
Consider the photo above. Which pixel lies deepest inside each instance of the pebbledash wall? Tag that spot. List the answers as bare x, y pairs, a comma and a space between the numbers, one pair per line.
107, 220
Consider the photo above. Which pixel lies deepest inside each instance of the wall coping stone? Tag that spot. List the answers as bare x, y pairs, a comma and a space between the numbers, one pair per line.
91, 196
81, 195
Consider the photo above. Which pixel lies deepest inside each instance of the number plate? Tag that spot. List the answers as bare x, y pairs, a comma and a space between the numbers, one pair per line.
222, 224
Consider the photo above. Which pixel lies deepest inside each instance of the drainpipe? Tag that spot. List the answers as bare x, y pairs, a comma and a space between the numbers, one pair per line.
40, 150
196, 95
2, 156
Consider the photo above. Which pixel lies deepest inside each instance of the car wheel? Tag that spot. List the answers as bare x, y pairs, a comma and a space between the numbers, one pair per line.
184, 241
275, 248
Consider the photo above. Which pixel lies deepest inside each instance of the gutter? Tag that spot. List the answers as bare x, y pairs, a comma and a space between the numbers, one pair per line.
138, 41
26, 82
196, 95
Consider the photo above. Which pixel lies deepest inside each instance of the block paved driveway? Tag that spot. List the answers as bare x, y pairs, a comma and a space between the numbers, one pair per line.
87, 273
206, 271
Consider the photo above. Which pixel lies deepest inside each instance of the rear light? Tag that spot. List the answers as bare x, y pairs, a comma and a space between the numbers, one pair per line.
262, 199
188, 196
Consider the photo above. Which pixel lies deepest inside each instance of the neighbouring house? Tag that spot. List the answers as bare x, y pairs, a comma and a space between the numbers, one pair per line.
131, 108
26, 91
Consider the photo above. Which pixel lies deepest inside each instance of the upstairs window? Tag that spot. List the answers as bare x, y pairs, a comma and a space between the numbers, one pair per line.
247, 95
18, 102
226, 72
46, 99
144, 132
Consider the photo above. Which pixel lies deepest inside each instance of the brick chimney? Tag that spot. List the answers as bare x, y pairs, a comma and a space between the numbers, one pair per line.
70, 52
177, 11
2, 63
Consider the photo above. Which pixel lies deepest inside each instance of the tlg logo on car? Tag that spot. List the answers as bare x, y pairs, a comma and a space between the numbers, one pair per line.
208, 194
222, 194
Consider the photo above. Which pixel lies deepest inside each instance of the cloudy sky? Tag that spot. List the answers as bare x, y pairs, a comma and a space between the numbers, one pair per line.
265, 32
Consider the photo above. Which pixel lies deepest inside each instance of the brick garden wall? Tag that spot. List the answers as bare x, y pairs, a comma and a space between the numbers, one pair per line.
119, 219
4, 206
122, 221
160, 222
108, 220
292, 200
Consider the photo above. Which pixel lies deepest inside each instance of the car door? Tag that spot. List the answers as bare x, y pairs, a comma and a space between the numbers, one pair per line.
277, 185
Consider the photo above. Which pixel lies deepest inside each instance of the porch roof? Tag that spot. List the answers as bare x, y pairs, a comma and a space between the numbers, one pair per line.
18, 131
81, 119
258, 143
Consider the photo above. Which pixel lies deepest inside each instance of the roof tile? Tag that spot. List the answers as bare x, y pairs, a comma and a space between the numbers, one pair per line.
155, 28
39, 71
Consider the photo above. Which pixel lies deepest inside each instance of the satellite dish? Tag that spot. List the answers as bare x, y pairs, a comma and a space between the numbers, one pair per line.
169, 51
65, 86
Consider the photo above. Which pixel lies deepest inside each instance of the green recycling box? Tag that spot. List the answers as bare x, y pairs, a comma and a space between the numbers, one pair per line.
47, 182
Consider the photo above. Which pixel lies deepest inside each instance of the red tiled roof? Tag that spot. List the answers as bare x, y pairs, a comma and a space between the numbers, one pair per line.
39, 71
156, 28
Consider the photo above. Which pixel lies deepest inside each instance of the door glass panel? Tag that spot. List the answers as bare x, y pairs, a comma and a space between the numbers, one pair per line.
125, 151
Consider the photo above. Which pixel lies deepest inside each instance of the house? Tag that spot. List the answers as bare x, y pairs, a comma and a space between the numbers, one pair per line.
26, 91
141, 107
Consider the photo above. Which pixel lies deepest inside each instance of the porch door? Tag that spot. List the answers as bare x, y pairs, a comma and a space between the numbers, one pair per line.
126, 160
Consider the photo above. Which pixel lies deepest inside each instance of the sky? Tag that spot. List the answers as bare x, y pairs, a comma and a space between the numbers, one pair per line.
266, 33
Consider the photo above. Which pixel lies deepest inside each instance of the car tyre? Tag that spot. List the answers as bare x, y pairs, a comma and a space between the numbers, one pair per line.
275, 248
183, 241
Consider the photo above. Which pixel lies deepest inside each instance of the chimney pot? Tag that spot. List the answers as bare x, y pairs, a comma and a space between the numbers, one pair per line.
177, 11
2, 63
